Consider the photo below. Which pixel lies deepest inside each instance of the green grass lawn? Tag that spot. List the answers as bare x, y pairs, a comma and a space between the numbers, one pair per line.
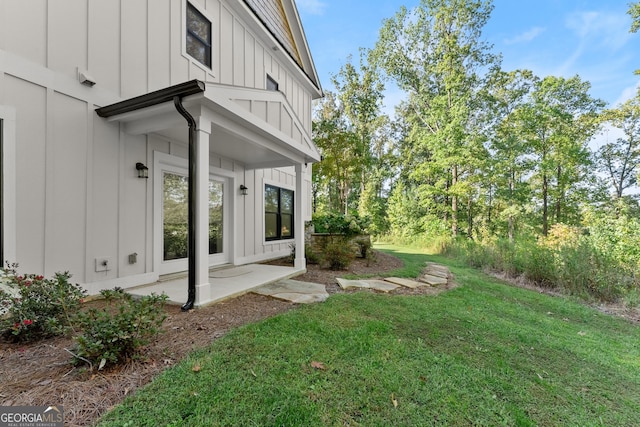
482, 354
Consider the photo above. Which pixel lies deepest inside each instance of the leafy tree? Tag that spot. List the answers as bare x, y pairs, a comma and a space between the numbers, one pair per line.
360, 93
434, 53
619, 159
557, 122
350, 131
510, 161
335, 175
634, 12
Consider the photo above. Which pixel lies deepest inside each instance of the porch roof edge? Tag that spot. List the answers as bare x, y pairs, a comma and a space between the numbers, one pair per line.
152, 98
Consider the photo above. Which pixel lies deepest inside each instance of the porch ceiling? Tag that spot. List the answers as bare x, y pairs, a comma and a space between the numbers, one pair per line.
254, 127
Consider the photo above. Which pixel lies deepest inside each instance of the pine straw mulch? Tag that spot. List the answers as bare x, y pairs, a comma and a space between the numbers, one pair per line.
40, 373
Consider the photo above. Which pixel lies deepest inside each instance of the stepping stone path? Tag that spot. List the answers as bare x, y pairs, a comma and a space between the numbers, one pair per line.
433, 275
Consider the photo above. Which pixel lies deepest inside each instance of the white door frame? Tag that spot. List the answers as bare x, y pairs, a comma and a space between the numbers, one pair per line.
167, 163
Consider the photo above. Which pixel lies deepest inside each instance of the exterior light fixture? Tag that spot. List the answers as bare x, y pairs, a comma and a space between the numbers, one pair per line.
143, 171
244, 190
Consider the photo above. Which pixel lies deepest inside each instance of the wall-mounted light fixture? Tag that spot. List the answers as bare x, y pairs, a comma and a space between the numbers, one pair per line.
86, 79
243, 190
143, 171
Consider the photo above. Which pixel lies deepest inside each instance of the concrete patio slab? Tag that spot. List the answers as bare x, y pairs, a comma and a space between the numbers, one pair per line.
294, 290
230, 272
407, 283
225, 283
378, 285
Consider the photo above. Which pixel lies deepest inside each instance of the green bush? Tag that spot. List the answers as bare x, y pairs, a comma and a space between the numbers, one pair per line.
35, 307
349, 225
339, 253
112, 335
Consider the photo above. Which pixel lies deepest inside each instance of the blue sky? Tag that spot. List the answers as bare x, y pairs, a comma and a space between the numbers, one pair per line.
550, 37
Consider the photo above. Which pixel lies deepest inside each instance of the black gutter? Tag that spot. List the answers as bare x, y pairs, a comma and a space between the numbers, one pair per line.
191, 192
152, 98
175, 94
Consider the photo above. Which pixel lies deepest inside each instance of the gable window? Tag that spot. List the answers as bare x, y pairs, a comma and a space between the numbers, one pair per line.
198, 36
272, 84
278, 213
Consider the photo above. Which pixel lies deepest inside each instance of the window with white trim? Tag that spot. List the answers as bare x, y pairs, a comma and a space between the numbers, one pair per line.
198, 36
278, 213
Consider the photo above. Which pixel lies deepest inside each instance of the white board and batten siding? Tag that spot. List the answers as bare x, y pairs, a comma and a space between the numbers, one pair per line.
77, 196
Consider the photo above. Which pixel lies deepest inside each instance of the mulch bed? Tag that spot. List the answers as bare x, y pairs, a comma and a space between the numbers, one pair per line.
41, 374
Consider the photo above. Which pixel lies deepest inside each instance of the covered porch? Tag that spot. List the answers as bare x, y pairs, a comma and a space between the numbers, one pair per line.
227, 282
254, 128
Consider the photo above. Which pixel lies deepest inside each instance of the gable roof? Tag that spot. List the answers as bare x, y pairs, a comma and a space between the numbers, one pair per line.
281, 19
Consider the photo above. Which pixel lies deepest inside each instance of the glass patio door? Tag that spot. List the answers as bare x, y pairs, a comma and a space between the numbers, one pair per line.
175, 221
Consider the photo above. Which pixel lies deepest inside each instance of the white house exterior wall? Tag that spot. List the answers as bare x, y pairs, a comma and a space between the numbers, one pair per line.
77, 194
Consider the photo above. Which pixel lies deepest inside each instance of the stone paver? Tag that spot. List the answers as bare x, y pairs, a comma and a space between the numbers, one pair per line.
378, 285
437, 273
294, 291
407, 283
433, 280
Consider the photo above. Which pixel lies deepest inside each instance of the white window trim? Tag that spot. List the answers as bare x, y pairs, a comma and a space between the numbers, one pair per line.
8, 117
183, 36
265, 242
166, 162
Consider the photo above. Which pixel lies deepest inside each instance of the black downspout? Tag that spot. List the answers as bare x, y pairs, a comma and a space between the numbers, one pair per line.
191, 240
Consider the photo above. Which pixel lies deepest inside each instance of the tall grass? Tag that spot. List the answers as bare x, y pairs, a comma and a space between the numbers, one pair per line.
577, 268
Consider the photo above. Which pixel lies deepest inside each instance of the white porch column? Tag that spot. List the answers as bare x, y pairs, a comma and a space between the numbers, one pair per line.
300, 261
203, 288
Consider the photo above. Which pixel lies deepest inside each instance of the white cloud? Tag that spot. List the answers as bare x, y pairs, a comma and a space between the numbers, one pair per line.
312, 7
606, 30
627, 94
526, 36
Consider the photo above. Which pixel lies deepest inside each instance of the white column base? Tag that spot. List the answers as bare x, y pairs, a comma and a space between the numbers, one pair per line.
203, 294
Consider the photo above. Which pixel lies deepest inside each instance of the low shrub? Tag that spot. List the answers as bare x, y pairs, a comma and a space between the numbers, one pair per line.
311, 256
112, 335
35, 307
339, 253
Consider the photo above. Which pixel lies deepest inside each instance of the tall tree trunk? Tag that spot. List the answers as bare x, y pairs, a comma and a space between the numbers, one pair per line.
445, 217
545, 205
470, 221
454, 202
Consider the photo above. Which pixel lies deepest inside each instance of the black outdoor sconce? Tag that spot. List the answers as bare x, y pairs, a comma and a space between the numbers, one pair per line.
143, 171
243, 190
